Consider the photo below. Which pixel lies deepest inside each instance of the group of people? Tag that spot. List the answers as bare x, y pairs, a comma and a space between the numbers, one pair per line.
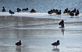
18, 10
74, 12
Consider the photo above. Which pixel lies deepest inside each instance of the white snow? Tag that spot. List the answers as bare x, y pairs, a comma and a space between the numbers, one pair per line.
28, 14
44, 15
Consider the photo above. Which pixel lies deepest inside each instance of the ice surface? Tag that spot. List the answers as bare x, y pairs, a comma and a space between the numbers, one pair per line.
37, 34
38, 37
38, 30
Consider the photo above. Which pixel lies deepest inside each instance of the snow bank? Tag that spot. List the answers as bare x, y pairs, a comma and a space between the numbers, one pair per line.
67, 18
27, 14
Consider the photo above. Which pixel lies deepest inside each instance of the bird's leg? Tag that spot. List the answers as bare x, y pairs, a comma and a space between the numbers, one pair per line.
11, 14
56, 46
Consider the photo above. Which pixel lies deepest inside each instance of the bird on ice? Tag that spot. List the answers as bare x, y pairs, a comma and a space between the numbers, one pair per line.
56, 43
18, 43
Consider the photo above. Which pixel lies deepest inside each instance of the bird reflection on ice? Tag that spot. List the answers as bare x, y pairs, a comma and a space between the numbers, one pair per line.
62, 30
18, 48
56, 50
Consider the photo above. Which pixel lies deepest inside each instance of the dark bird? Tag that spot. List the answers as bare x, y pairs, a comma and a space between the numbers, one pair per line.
18, 10
25, 9
33, 11
66, 10
11, 12
3, 9
77, 13
50, 12
61, 23
74, 10
56, 11
59, 12
71, 13
18, 43
56, 43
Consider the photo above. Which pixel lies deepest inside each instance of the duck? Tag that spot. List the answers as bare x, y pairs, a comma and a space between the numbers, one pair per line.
3, 9
59, 12
56, 43
56, 11
25, 9
77, 13
71, 13
18, 43
32, 11
61, 23
18, 10
66, 10
11, 12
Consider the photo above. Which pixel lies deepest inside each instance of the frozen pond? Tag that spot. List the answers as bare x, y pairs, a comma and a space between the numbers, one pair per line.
38, 38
